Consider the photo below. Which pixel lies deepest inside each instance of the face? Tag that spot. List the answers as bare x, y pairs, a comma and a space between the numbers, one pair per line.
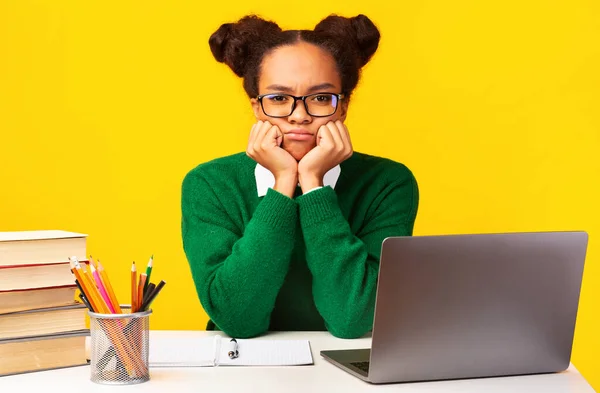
299, 69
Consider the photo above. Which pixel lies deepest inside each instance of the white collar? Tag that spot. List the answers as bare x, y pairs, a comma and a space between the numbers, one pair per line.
266, 180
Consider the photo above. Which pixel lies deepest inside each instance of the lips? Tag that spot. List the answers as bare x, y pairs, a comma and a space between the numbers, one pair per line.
298, 135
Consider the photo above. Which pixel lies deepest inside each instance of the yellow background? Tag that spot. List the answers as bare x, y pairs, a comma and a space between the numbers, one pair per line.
104, 106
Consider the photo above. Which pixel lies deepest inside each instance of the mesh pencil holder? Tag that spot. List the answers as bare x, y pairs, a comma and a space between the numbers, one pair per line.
119, 348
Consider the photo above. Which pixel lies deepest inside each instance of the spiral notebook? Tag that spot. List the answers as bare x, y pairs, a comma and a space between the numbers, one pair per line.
213, 351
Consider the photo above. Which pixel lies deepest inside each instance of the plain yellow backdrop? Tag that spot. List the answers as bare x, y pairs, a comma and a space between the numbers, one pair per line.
105, 106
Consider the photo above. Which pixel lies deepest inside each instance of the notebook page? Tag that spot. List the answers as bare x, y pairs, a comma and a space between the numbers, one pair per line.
182, 351
261, 352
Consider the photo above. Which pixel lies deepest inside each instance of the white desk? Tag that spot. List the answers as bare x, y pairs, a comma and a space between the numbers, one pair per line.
322, 377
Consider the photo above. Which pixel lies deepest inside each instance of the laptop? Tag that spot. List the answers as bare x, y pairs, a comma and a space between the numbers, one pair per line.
471, 306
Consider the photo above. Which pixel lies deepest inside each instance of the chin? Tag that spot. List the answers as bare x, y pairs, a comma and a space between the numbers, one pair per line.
298, 152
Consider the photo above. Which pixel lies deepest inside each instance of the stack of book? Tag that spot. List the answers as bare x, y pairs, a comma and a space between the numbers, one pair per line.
42, 323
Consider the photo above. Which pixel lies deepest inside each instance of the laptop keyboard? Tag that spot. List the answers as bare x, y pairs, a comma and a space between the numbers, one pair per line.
364, 366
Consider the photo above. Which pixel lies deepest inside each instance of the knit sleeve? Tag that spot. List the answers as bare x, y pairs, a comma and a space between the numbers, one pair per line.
345, 265
237, 275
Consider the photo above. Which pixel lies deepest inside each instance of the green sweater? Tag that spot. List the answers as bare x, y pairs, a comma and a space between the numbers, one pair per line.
310, 263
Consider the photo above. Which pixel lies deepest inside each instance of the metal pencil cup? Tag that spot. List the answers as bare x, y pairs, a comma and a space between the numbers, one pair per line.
119, 348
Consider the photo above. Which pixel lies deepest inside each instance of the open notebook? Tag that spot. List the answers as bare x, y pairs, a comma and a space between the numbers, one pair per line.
213, 351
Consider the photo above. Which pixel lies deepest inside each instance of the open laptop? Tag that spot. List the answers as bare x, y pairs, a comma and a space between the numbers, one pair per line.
469, 306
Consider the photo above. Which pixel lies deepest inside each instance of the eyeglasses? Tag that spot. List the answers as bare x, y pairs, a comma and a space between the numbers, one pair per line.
283, 105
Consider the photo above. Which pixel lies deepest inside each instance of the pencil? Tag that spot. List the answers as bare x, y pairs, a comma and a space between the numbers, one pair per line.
140, 294
82, 294
109, 288
88, 282
133, 288
93, 263
80, 281
101, 289
148, 273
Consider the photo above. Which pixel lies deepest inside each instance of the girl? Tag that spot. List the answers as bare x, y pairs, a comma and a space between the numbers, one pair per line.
287, 235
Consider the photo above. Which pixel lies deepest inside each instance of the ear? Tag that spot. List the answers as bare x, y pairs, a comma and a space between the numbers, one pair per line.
255, 107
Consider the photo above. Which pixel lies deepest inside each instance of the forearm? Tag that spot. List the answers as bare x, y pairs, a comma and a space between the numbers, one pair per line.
344, 274
238, 277
345, 265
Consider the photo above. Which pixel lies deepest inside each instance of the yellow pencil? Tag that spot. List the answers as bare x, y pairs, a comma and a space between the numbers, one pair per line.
84, 287
93, 263
89, 283
108, 287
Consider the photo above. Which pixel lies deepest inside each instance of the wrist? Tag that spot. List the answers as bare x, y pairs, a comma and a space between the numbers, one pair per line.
309, 181
286, 184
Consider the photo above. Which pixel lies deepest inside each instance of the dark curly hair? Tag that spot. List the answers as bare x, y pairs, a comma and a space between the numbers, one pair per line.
242, 45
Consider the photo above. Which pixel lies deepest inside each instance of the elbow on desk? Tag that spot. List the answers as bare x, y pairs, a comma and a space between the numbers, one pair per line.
238, 329
348, 330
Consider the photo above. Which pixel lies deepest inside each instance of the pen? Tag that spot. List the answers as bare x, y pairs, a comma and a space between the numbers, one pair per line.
234, 353
85, 301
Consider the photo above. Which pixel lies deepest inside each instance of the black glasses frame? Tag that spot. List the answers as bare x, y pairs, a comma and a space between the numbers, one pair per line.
340, 96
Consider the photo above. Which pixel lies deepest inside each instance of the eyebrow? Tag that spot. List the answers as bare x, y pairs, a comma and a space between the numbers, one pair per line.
286, 89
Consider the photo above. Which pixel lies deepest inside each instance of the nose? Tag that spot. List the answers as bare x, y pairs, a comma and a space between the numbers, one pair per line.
299, 115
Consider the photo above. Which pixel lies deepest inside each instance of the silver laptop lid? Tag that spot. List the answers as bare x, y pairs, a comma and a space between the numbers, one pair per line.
463, 306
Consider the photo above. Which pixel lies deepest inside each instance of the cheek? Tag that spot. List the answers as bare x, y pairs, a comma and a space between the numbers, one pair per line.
321, 121
279, 122
261, 116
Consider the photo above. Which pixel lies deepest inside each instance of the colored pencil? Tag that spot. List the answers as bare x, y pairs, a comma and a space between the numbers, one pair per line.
148, 273
80, 281
88, 281
140, 294
109, 288
102, 290
93, 263
133, 288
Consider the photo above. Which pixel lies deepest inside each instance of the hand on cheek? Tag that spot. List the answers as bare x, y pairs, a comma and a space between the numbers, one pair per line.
264, 148
333, 147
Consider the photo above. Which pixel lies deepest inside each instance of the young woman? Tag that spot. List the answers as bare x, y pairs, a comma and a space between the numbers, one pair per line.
287, 235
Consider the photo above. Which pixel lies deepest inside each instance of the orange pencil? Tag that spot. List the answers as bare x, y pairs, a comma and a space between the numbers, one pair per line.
83, 284
89, 283
133, 288
109, 288
93, 263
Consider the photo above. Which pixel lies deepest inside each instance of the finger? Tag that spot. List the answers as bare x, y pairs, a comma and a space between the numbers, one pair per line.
279, 138
271, 137
324, 137
251, 139
253, 131
345, 135
261, 133
335, 135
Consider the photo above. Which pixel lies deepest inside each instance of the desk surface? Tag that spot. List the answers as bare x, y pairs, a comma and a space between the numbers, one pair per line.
322, 377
